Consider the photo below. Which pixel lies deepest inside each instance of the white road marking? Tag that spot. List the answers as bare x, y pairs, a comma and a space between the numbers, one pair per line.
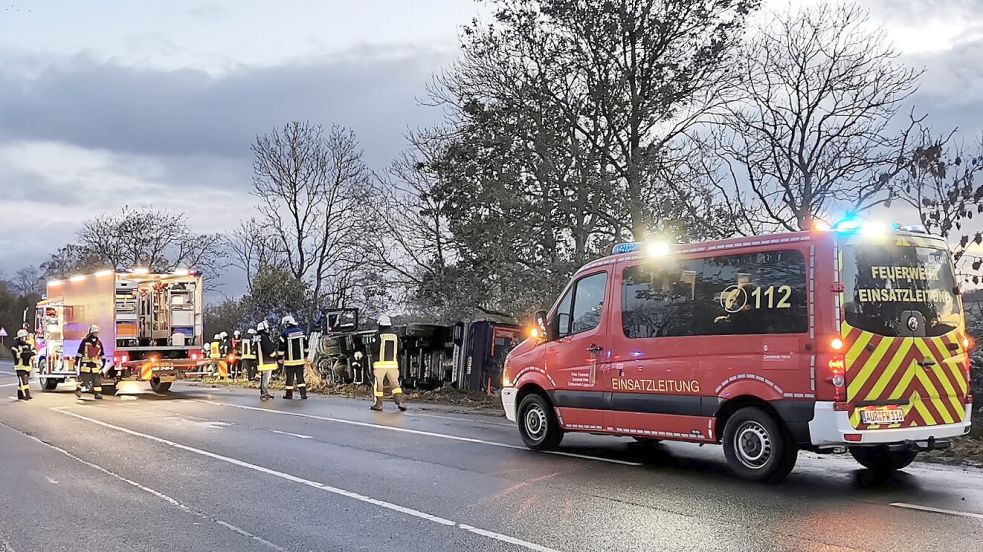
419, 432
321, 486
8, 385
486, 422
937, 510
7, 373
52, 481
158, 494
297, 435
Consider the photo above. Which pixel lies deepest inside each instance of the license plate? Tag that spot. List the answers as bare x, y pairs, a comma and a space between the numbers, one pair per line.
882, 416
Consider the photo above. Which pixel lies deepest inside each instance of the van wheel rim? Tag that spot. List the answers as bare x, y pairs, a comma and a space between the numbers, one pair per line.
753, 445
536, 422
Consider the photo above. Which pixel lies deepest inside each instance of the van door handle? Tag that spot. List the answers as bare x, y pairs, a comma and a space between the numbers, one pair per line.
926, 363
594, 348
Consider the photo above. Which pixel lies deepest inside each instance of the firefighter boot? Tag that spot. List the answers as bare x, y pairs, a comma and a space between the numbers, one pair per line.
20, 395
303, 393
78, 391
27, 394
288, 395
377, 405
400, 401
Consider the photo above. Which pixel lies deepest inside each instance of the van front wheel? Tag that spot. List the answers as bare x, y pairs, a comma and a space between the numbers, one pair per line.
756, 447
538, 426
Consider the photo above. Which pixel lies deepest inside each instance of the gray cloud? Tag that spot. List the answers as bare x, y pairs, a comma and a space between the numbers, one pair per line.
95, 104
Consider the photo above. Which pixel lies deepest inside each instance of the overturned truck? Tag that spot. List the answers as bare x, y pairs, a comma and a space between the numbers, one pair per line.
467, 356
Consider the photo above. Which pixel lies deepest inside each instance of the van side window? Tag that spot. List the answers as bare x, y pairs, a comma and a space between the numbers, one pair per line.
755, 293
580, 309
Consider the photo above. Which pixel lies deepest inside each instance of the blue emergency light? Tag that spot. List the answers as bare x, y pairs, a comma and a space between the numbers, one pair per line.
629, 247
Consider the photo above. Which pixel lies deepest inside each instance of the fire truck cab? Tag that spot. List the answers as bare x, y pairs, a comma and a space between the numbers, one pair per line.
851, 337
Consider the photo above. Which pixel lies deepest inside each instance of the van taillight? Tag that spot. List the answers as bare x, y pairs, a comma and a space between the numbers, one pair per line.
837, 377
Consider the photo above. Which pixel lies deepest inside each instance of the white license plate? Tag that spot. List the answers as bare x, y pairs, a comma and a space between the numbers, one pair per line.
882, 416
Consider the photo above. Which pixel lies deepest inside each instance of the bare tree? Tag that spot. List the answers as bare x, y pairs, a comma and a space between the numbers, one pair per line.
28, 281
816, 123
253, 247
312, 188
939, 181
150, 238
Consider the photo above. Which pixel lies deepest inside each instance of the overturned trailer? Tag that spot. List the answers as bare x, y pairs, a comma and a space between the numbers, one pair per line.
467, 356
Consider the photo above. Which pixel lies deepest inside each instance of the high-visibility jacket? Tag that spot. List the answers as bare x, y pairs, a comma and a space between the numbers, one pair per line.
215, 350
388, 351
23, 353
267, 353
247, 349
293, 346
91, 351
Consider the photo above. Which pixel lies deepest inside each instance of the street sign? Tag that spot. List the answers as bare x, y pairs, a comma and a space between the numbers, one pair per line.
3, 332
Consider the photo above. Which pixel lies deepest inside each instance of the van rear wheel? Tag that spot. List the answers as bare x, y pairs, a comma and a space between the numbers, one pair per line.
881, 460
756, 446
538, 426
160, 386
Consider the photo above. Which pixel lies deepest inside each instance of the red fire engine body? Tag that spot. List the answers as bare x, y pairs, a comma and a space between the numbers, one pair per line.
823, 340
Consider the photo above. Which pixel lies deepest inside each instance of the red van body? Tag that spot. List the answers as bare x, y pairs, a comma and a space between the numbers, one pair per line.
818, 340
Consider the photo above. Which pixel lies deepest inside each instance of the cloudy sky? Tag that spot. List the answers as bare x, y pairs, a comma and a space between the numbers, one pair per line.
106, 102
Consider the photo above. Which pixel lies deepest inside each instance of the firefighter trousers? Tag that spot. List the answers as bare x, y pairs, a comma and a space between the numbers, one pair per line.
23, 383
90, 376
295, 379
383, 374
249, 366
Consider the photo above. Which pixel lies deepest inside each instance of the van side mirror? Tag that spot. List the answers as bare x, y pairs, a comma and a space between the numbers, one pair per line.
541, 326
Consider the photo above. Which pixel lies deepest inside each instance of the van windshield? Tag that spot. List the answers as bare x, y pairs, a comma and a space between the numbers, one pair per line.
899, 290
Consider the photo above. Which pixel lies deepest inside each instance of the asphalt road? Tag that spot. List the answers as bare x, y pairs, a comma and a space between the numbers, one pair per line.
216, 469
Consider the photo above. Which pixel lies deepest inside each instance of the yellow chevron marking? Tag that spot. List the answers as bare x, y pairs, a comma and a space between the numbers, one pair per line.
858, 347
890, 370
903, 384
857, 382
916, 401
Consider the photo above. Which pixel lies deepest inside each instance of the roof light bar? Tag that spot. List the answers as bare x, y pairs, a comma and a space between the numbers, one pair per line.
629, 247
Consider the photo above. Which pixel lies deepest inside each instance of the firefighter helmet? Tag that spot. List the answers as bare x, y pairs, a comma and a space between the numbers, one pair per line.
384, 320
288, 321
217, 337
223, 335
94, 329
237, 334
251, 331
21, 334
263, 326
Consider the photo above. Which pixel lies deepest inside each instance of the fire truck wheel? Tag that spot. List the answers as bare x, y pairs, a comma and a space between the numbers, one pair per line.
756, 446
538, 426
881, 460
160, 386
48, 384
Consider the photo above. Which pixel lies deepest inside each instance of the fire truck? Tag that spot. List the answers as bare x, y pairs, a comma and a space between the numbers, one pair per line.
151, 326
845, 338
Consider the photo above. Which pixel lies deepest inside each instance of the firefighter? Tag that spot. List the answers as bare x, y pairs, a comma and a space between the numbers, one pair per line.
247, 354
215, 352
386, 344
24, 352
235, 360
268, 358
293, 352
89, 358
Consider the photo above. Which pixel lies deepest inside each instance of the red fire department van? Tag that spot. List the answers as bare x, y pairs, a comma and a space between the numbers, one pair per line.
852, 337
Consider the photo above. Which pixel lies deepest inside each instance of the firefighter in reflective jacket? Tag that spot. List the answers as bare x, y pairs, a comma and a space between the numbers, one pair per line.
89, 359
24, 352
386, 344
247, 354
293, 351
268, 358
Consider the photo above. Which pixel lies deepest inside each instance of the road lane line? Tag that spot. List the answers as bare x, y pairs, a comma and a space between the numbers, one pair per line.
937, 510
321, 486
7, 373
420, 432
8, 385
158, 494
297, 435
486, 422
